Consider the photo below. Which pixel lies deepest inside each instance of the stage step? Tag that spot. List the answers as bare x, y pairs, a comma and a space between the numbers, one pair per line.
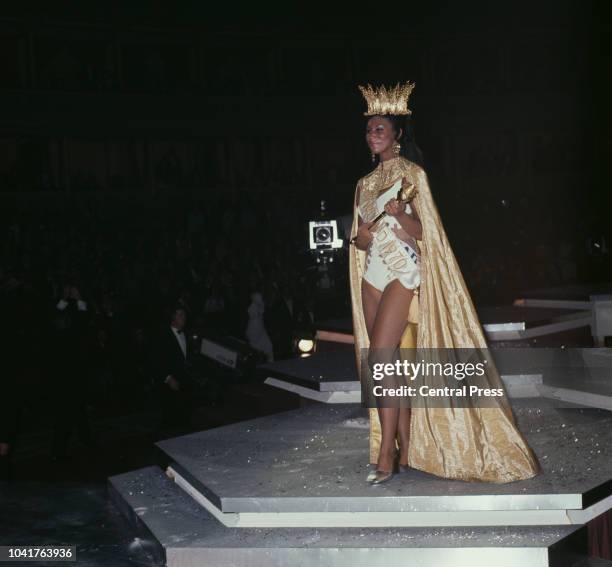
307, 468
188, 536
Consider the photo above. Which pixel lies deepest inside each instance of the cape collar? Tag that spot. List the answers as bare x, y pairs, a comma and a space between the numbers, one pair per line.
386, 174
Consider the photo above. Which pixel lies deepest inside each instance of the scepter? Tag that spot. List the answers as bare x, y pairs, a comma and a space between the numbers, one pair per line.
405, 194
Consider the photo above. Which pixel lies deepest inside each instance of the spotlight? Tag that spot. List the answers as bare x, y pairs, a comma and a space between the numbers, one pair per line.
304, 344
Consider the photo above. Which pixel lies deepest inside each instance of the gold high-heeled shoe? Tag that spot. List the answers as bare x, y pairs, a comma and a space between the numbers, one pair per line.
379, 477
403, 468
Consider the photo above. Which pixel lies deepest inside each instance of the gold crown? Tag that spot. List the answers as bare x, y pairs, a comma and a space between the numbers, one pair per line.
387, 101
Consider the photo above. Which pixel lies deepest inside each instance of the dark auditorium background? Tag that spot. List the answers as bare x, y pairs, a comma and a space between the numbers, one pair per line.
156, 154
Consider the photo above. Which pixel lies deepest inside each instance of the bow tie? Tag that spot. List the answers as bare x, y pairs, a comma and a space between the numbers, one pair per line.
178, 331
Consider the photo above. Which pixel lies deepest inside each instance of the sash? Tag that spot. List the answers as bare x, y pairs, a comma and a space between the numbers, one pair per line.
399, 255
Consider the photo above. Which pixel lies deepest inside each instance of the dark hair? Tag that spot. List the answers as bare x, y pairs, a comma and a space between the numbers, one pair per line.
172, 310
409, 148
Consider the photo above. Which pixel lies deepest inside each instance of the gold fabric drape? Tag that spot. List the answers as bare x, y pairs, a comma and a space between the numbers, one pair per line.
472, 444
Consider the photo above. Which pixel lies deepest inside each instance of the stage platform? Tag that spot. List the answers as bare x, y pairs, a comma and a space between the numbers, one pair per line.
290, 489
500, 323
187, 535
331, 377
308, 466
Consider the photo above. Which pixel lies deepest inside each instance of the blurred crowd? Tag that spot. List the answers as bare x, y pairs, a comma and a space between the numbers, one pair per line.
88, 295
90, 291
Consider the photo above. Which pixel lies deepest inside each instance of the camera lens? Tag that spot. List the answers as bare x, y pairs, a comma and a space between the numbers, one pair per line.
322, 234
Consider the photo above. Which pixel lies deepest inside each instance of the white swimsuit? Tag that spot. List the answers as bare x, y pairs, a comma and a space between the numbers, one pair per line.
389, 257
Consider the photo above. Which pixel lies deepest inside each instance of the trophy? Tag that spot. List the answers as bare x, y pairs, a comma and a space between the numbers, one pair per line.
405, 194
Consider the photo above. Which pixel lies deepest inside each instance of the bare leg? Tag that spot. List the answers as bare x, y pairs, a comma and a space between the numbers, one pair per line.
390, 323
370, 298
403, 428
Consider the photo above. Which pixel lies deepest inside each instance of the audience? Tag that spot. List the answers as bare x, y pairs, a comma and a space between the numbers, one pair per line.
85, 289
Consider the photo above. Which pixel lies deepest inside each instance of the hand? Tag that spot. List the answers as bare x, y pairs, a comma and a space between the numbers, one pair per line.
401, 233
4, 449
173, 383
394, 208
364, 236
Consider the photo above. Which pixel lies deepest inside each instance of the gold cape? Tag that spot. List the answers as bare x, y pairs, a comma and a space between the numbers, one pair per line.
471, 444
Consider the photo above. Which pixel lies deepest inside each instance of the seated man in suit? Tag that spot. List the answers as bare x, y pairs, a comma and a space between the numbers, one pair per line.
173, 371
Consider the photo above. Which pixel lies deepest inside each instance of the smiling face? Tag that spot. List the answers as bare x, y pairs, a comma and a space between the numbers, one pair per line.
380, 135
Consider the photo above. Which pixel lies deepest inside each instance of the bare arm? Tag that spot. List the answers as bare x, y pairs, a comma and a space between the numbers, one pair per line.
411, 224
363, 237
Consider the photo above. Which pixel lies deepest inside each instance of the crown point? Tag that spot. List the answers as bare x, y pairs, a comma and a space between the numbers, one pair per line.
393, 100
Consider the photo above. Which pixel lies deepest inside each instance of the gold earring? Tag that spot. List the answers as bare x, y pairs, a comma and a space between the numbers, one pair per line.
396, 148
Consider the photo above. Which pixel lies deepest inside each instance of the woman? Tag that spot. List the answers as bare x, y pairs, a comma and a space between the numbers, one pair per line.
256, 333
407, 291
